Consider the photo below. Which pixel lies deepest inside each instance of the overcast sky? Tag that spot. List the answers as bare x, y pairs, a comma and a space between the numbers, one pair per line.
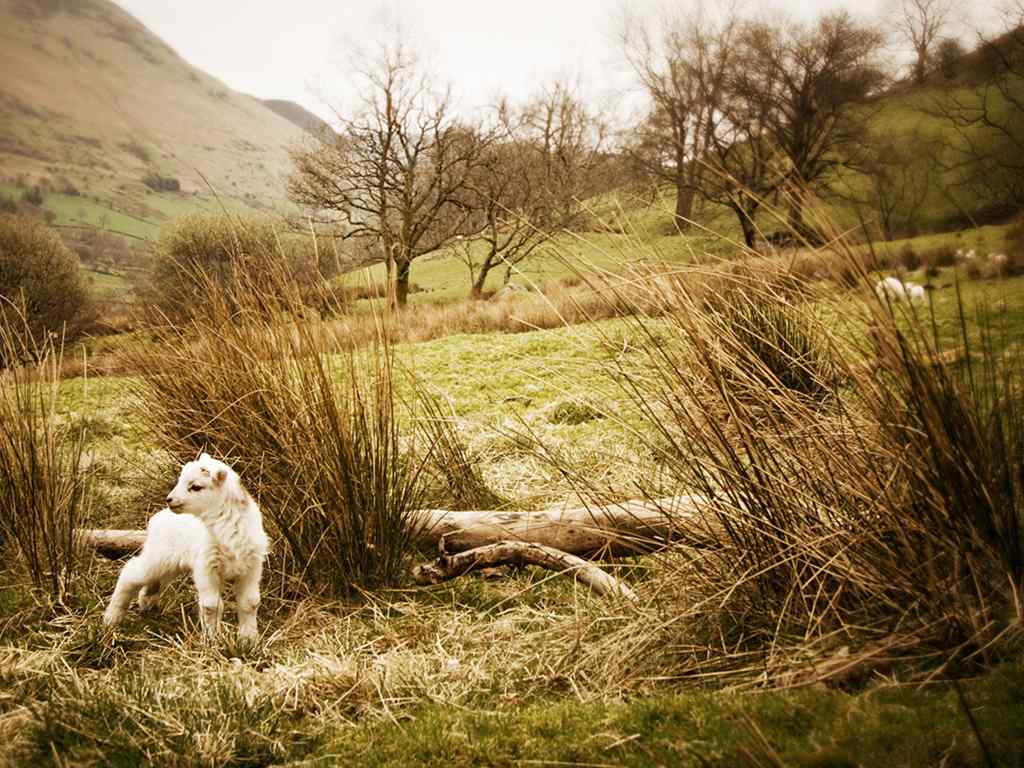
297, 49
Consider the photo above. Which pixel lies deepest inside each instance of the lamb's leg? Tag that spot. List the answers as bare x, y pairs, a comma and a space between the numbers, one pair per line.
149, 595
247, 593
133, 576
208, 585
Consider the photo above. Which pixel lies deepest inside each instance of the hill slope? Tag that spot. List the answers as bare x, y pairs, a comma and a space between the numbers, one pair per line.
298, 115
92, 103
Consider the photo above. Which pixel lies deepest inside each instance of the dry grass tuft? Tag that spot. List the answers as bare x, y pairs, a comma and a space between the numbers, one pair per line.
863, 508
44, 486
314, 436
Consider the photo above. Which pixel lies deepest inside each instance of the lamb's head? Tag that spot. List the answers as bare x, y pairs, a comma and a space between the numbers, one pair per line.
204, 484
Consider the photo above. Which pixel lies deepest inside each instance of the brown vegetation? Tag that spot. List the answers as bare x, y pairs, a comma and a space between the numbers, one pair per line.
41, 288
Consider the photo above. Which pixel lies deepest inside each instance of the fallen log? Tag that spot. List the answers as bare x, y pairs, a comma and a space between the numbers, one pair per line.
448, 567
112, 543
629, 527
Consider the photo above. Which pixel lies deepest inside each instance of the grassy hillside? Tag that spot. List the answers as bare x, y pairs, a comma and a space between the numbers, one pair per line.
92, 104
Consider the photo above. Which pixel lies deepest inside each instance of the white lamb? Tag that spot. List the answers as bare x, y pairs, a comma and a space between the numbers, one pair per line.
212, 529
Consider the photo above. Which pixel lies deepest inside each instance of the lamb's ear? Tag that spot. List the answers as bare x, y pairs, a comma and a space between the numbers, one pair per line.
204, 457
219, 477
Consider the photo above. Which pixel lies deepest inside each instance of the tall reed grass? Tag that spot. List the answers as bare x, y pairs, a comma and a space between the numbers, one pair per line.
456, 479
44, 484
866, 493
308, 420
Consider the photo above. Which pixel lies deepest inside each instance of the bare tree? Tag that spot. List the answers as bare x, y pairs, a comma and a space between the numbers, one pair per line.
397, 172
571, 138
921, 23
892, 183
812, 84
533, 182
671, 137
986, 160
741, 166
511, 211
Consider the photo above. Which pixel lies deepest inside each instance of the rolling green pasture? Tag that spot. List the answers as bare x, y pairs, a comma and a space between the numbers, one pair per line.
105, 284
443, 277
557, 386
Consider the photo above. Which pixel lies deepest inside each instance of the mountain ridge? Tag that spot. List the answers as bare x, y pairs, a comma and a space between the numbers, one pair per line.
298, 115
96, 106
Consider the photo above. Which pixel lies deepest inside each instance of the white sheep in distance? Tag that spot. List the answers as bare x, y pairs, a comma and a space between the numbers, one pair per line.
892, 289
914, 291
211, 529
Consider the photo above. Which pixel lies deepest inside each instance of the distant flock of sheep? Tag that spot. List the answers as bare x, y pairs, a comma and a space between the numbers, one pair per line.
995, 259
893, 289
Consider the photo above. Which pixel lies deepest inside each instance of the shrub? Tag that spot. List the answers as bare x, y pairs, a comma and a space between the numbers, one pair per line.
67, 187
974, 269
940, 256
573, 412
948, 57
831, 515
773, 345
38, 269
1015, 245
908, 258
228, 252
33, 196
159, 183
8, 205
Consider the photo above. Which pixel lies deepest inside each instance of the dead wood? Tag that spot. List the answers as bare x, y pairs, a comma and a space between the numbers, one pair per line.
625, 528
448, 567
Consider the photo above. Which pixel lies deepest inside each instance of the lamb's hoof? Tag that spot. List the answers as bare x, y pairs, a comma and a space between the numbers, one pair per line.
148, 603
248, 635
112, 616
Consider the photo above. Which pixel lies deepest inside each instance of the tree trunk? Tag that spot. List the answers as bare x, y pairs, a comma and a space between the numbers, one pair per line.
921, 67
389, 264
746, 225
684, 203
518, 553
476, 290
402, 268
626, 528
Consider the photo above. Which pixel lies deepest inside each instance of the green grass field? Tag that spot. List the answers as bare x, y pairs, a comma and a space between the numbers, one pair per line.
472, 672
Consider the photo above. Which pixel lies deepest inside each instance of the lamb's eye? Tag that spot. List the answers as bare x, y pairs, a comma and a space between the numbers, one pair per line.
195, 488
